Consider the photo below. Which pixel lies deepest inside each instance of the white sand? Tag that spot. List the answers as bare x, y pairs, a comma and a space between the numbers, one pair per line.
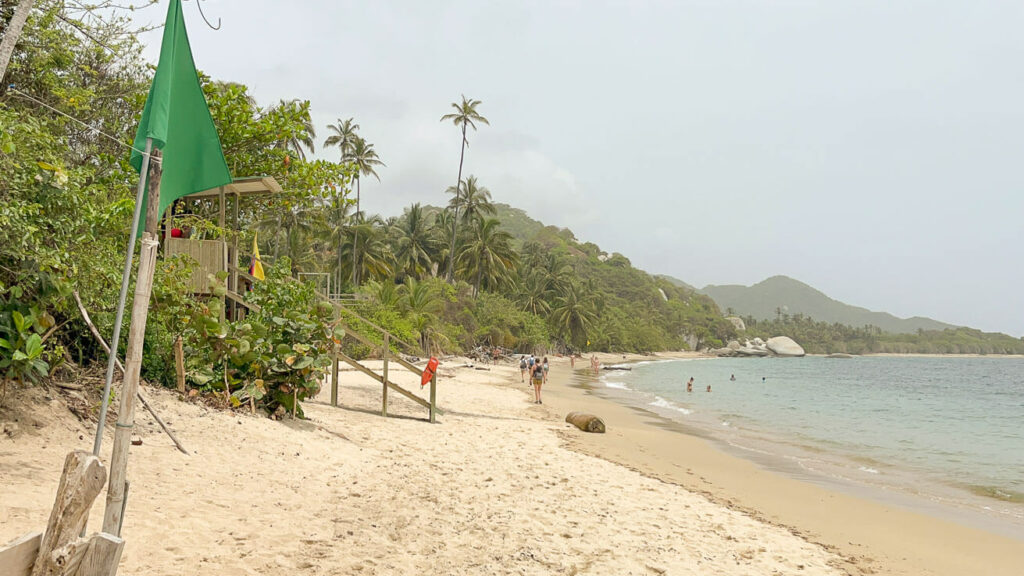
490, 489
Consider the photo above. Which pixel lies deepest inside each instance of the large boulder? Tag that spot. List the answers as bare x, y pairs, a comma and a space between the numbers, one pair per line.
784, 346
738, 323
735, 345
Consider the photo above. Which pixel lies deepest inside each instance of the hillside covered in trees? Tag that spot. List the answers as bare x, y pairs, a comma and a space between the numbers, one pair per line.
774, 296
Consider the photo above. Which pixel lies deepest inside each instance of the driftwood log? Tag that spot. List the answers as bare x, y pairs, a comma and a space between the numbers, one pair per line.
82, 480
585, 422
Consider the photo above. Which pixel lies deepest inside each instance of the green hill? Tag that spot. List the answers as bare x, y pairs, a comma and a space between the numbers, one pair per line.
767, 298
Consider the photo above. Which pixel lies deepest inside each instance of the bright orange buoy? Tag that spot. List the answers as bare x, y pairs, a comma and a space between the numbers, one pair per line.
429, 371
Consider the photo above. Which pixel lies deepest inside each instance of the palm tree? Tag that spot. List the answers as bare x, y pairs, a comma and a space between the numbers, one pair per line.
474, 200
344, 135
488, 254
338, 214
364, 158
573, 314
304, 138
373, 257
421, 304
533, 294
416, 242
465, 115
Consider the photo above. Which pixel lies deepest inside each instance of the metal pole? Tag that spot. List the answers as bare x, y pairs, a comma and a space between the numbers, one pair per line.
125, 278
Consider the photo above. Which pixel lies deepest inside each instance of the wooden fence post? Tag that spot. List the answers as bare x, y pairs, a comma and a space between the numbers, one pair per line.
387, 350
433, 397
334, 376
179, 363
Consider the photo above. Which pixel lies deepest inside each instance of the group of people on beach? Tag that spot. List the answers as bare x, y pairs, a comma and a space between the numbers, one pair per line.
537, 370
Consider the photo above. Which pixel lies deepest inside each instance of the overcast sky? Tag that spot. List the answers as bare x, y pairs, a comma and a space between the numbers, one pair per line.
871, 149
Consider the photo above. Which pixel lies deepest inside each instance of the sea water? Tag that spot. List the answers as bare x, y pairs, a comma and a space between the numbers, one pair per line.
948, 430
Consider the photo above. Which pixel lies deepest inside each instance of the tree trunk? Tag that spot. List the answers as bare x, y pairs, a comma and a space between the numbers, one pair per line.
12, 35
455, 220
355, 239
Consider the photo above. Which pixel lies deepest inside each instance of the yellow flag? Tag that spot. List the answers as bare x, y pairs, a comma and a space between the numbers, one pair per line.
256, 268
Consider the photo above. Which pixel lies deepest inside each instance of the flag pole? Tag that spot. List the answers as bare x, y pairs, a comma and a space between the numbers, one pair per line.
116, 488
125, 279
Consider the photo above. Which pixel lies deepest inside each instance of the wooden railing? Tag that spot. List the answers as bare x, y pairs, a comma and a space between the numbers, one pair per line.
384, 348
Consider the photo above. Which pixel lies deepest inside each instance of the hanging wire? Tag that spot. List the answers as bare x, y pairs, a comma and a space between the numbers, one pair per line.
212, 27
13, 90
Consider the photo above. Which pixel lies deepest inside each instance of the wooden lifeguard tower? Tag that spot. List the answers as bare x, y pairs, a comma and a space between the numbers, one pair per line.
219, 254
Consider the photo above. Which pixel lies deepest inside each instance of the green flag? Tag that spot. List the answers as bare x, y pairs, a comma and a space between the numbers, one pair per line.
178, 120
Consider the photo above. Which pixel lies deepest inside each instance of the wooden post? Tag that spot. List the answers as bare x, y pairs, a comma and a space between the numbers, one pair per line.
80, 483
133, 359
387, 351
334, 376
433, 397
102, 556
179, 363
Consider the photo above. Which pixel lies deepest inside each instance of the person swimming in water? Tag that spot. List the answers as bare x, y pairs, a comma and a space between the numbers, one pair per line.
732, 378
689, 385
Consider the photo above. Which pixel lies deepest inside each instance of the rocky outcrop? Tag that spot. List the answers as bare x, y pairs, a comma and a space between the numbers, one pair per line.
784, 346
735, 345
738, 323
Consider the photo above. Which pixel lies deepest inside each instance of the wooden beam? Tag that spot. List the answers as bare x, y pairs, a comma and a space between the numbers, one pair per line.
433, 398
130, 383
386, 351
179, 364
80, 483
334, 376
238, 298
389, 384
18, 556
102, 556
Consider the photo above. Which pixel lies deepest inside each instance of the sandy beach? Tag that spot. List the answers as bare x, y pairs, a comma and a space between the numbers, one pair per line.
499, 486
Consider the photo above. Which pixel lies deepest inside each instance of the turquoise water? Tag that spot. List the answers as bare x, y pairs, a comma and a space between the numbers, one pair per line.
950, 429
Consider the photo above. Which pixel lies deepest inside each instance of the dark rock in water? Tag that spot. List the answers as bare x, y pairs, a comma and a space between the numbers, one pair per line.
617, 368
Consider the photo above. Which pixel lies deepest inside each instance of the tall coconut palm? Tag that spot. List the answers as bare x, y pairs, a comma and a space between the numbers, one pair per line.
343, 136
474, 200
488, 255
465, 115
416, 242
573, 314
365, 159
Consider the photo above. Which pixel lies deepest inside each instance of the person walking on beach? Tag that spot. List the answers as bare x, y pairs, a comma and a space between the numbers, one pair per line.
522, 368
545, 365
689, 385
537, 375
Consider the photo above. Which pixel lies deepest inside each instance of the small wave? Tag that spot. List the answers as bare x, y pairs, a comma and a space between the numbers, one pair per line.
616, 385
660, 402
868, 470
